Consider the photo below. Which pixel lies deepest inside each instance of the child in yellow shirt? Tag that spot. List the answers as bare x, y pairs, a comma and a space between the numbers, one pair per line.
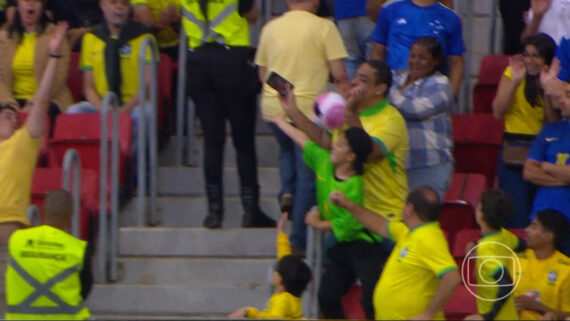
290, 279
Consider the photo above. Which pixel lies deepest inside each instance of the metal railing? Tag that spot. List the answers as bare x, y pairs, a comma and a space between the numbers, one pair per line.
151, 115
107, 264
72, 163
33, 214
181, 101
314, 258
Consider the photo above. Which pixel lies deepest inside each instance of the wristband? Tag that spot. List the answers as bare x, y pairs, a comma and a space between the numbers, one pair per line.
53, 55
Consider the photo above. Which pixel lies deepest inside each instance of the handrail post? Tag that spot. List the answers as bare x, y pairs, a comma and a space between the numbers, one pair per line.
110, 102
72, 162
181, 97
314, 260
33, 214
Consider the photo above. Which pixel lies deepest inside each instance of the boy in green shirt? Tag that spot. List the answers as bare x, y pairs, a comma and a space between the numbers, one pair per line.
357, 253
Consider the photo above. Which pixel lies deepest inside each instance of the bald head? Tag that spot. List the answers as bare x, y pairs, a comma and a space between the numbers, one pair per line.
425, 202
58, 207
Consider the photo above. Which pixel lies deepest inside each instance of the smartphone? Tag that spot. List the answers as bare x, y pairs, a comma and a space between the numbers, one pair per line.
277, 82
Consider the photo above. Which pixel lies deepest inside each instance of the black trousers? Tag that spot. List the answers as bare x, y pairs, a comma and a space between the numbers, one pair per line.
223, 85
347, 262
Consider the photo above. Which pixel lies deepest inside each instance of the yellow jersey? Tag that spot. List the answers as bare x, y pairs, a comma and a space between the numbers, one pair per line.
23, 75
548, 281
522, 118
411, 275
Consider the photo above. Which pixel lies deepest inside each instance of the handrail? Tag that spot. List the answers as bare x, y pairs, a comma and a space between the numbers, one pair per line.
33, 214
181, 97
314, 255
142, 134
72, 162
110, 102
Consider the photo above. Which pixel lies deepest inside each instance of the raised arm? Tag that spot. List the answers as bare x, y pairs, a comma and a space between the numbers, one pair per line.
366, 217
424, 105
448, 283
539, 8
340, 77
36, 121
508, 87
295, 134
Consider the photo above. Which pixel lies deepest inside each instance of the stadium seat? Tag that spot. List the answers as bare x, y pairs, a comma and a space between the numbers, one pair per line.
75, 78
462, 238
82, 132
490, 72
351, 304
519, 232
458, 208
461, 304
165, 70
49, 179
477, 139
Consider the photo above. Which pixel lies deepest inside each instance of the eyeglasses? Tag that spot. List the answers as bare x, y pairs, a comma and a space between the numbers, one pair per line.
530, 54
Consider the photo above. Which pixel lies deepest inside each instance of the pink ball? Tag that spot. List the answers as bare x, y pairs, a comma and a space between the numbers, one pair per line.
328, 111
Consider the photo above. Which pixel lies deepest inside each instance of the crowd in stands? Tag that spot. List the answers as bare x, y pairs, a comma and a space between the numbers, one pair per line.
377, 183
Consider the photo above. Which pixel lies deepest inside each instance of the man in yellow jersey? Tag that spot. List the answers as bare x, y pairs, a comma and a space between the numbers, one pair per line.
161, 16
49, 271
494, 257
223, 84
545, 272
19, 148
420, 275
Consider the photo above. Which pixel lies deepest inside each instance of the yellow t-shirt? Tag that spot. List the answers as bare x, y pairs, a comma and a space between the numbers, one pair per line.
18, 157
166, 37
385, 182
546, 280
494, 258
281, 306
93, 58
298, 46
522, 118
23, 76
411, 275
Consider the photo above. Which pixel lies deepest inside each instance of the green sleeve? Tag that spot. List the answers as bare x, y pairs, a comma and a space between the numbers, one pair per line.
313, 155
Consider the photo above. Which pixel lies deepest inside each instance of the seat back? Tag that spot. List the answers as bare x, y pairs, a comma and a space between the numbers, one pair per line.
75, 78
477, 141
490, 72
461, 304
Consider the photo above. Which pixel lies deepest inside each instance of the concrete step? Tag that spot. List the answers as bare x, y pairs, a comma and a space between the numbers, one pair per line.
189, 181
147, 316
197, 272
175, 211
266, 147
173, 300
197, 242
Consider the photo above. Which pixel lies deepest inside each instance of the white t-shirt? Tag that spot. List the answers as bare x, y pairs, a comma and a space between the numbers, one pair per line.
556, 21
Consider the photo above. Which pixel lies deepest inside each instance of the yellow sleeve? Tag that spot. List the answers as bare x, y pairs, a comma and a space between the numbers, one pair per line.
276, 309
283, 245
334, 46
389, 134
86, 59
510, 240
396, 230
436, 255
507, 73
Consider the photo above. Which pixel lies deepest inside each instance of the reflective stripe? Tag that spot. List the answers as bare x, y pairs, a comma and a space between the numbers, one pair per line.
44, 289
207, 27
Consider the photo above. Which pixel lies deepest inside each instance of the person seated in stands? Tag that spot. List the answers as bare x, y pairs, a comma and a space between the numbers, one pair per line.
491, 214
25, 53
548, 166
162, 17
423, 96
521, 100
357, 253
290, 279
19, 149
545, 272
110, 61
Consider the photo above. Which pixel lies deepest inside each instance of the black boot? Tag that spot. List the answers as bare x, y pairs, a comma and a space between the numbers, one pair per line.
253, 216
215, 207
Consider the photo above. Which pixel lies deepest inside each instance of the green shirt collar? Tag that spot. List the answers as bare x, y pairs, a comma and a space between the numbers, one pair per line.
370, 111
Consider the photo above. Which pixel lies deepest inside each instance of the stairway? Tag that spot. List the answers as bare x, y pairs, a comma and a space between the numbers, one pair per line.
179, 270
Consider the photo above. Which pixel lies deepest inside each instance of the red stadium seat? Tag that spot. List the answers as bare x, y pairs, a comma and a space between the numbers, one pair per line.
490, 72
75, 78
477, 139
82, 132
351, 304
462, 238
458, 208
520, 232
49, 179
461, 304
164, 71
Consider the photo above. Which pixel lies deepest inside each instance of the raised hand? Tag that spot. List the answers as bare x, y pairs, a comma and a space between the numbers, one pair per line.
518, 68
539, 7
54, 44
549, 80
288, 101
354, 98
338, 199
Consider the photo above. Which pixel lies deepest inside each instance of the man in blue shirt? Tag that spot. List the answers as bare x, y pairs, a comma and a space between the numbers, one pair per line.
548, 165
401, 22
355, 27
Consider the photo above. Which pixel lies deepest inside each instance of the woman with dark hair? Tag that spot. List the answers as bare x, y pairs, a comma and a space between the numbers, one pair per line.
24, 48
423, 96
521, 101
